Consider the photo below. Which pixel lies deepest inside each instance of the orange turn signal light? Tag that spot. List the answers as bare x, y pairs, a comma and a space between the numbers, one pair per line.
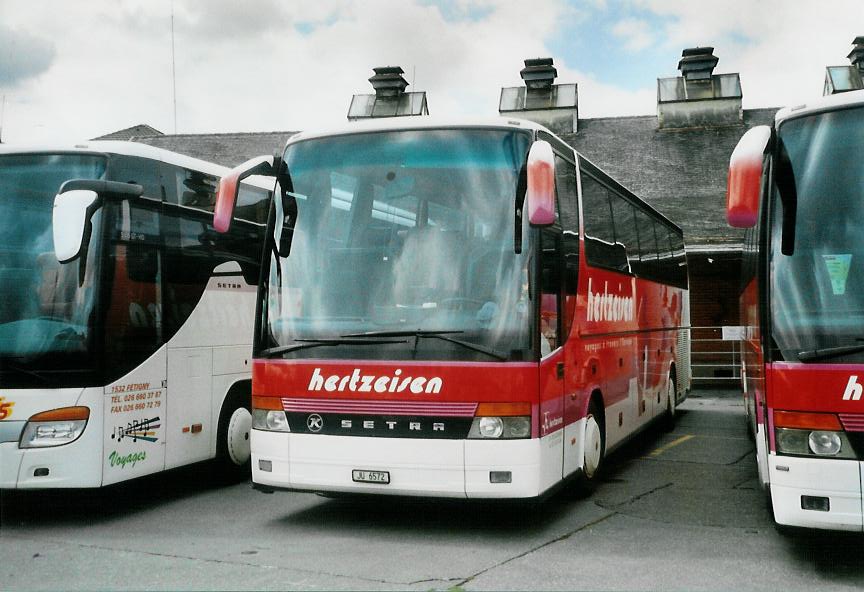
807, 421
502, 409
259, 402
62, 414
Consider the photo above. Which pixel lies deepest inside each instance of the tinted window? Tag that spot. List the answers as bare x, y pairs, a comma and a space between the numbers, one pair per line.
568, 206
647, 245
196, 190
625, 230
678, 273
600, 246
565, 184
147, 173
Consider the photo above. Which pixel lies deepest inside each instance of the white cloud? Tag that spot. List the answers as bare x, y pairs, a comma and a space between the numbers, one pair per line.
267, 66
275, 65
780, 48
635, 33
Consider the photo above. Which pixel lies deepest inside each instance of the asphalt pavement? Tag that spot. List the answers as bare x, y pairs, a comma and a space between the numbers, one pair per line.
679, 510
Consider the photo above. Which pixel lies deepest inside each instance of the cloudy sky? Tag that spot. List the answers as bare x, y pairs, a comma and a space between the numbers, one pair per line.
76, 70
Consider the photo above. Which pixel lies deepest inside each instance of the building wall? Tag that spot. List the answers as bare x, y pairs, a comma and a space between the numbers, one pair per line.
714, 290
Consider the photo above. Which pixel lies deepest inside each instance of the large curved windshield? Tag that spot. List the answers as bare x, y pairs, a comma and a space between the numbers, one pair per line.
45, 307
817, 294
404, 240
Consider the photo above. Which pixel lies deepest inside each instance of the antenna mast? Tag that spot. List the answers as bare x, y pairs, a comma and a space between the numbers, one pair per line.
173, 68
2, 113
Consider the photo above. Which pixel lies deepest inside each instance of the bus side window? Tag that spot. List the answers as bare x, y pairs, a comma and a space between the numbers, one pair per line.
625, 232
601, 249
550, 289
647, 246
196, 190
129, 169
568, 204
133, 316
253, 204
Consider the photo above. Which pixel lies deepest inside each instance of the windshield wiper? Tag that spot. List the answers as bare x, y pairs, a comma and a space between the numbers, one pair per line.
829, 352
442, 335
403, 333
21, 369
307, 343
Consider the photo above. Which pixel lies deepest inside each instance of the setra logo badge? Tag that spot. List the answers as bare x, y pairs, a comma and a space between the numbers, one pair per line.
5, 408
315, 422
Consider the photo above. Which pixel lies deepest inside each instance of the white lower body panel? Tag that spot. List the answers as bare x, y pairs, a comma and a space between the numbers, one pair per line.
838, 480
433, 468
74, 465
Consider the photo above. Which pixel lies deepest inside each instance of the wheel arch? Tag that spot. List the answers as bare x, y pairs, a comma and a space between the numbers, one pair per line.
238, 391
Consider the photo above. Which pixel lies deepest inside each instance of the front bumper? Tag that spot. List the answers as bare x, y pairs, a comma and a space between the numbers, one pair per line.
838, 480
431, 468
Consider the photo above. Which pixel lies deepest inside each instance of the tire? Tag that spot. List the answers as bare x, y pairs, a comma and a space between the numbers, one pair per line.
671, 413
593, 451
232, 446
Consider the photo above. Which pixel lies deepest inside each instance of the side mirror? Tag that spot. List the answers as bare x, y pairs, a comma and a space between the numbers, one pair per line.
745, 177
540, 192
74, 204
71, 213
229, 187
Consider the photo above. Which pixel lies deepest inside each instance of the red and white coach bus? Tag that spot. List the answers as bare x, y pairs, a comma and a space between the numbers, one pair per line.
798, 187
456, 310
125, 320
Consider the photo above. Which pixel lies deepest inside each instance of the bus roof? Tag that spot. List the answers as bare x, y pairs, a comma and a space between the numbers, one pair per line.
411, 123
121, 148
818, 105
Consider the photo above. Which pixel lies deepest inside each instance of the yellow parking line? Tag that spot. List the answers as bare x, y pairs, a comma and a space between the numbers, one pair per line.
672, 444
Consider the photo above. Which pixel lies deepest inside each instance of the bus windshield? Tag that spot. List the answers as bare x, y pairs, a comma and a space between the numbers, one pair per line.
45, 307
404, 239
817, 300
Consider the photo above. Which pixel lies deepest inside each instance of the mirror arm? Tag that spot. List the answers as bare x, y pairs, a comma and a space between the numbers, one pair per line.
521, 188
289, 206
103, 187
785, 181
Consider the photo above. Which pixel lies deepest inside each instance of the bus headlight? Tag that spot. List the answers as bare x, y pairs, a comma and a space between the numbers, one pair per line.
811, 434
54, 428
490, 427
824, 443
502, 428
270, 420
501, 421
267, 414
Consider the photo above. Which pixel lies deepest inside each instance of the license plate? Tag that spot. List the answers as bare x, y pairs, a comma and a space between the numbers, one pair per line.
370, 476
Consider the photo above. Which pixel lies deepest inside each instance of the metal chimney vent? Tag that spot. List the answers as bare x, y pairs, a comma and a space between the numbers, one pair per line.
697, 63
390, 98
840, 79
541, 101
388, 81
856, 56
539, 73
699, 98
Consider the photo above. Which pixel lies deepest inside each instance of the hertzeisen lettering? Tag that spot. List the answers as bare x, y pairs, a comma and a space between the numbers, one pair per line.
357, 382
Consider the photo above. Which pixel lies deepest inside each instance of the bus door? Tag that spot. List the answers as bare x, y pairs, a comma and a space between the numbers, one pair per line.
188, 261
135, 421
551, 417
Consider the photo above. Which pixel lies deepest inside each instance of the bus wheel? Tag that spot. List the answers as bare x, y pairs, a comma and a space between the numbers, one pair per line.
671, 404
594, 449
232, 448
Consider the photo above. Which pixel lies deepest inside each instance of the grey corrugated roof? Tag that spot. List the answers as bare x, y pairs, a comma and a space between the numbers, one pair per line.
142, 129
225, 149
680, 172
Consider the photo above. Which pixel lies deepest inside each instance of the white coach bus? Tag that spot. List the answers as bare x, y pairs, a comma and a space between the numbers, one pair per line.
125, 320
